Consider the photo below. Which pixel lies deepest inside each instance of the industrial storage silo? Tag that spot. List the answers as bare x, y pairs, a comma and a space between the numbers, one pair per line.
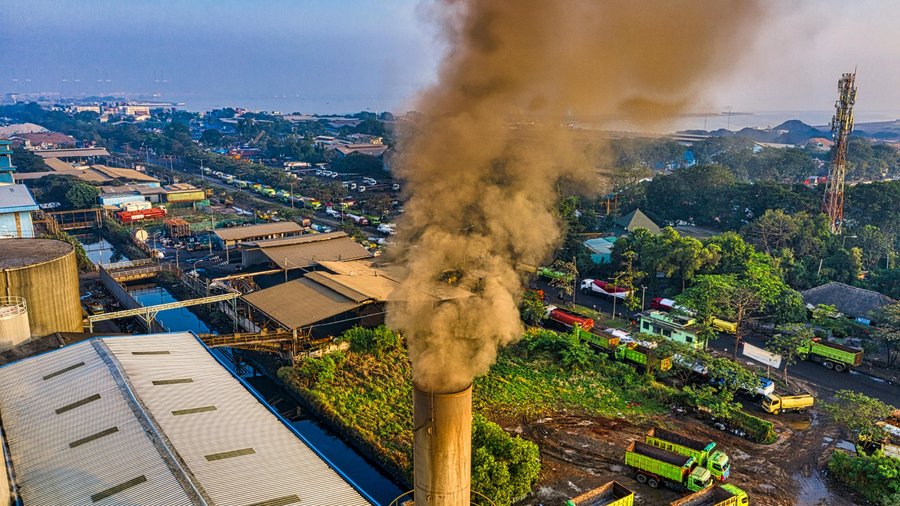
13, 321
45, 273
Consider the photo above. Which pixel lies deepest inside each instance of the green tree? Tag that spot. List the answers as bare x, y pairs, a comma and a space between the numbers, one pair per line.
627, 278
565, 283
772, 231
859, 414
788, 342
532, 308
684, 256
503, 467
82, 195
211, 137
732, 252
377, 341
887, 331
875, 477
874, 244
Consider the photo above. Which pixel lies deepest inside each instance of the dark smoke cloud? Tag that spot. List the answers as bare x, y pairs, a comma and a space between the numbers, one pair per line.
483, 161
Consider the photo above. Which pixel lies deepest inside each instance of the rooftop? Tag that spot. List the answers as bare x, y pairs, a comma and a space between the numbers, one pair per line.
637, 219
152, 419
71, 153
300, 303
254, 231
18, 253
123, 173
16, 198
850, 300
306, 250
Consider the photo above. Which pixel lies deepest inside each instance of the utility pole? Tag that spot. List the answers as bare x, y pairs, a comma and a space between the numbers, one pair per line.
292, 195
643, 292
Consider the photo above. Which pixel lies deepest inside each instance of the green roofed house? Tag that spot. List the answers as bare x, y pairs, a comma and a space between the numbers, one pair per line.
601, 249
637, 219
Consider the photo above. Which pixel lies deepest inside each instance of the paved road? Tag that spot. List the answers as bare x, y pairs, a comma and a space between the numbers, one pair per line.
825, 381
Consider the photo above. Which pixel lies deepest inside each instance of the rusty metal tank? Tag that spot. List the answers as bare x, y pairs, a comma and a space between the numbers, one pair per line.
45, 273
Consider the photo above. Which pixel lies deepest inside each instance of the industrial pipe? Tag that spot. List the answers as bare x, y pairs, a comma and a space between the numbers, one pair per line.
442, 456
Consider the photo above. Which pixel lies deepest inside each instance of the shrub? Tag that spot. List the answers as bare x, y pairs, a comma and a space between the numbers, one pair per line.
375, 341
875, 477
503, 467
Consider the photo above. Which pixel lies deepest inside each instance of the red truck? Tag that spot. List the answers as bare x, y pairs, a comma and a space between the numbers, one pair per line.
145, 214
569, 319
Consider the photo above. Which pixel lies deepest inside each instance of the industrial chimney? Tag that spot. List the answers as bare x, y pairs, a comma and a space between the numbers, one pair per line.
442, 458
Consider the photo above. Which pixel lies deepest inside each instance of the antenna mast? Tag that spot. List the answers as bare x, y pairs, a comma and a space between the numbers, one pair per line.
841, 126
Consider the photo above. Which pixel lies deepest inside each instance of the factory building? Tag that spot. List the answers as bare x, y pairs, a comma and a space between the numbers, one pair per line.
152, 420
7, 169
45, 273
16, 205
335, 297
302, 252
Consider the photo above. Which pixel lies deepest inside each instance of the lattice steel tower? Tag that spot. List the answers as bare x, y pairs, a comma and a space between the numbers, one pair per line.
841, 126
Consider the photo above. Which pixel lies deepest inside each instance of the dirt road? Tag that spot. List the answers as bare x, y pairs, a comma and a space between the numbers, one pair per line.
579, 453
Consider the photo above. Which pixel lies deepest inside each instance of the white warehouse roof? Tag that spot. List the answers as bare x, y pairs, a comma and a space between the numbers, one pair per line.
152, 420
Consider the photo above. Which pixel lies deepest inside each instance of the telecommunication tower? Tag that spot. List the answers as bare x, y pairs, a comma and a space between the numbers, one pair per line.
841, 126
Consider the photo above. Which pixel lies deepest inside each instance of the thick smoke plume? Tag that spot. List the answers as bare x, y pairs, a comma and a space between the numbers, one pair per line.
483, 161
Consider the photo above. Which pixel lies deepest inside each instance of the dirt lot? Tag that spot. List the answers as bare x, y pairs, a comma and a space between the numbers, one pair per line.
579, 453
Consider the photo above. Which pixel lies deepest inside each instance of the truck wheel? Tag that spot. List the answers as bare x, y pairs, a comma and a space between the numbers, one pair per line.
653, 483
839, 367
828, 365
803, 356
641, 478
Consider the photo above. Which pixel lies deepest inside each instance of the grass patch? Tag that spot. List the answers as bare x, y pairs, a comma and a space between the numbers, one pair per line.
366, 392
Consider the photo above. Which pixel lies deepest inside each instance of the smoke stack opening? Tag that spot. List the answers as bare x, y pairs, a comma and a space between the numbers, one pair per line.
442, 455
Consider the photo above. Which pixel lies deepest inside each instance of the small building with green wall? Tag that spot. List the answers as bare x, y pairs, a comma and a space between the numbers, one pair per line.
678, 328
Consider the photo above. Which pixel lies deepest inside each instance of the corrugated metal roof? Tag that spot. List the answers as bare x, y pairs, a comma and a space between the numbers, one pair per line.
48, 470
297, 239
359, 286
124, 173
300, 303
234, 451
262, 230
16, 197
307, 253
57, 164
69, 153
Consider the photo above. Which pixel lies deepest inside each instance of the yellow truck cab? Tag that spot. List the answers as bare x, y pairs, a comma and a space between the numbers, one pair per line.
776, 403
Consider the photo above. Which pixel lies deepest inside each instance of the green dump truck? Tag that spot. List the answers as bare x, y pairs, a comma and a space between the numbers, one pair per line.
642, 355
611, 494
704, 453
655, 466
723, 495
831, 355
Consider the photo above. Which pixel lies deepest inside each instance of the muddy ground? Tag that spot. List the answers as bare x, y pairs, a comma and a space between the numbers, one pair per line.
581, 452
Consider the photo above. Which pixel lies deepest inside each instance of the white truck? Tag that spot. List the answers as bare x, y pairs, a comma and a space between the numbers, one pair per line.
136, 206
387, 228
598, 287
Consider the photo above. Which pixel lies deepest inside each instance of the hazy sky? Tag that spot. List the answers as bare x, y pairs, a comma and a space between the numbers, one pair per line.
344, 56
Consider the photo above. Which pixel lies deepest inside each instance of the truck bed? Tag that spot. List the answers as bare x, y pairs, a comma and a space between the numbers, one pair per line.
660, 454
672, 437
713, 496
609, 494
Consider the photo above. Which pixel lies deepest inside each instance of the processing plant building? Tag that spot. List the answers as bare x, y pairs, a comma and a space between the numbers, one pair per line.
45, 273
151, 420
